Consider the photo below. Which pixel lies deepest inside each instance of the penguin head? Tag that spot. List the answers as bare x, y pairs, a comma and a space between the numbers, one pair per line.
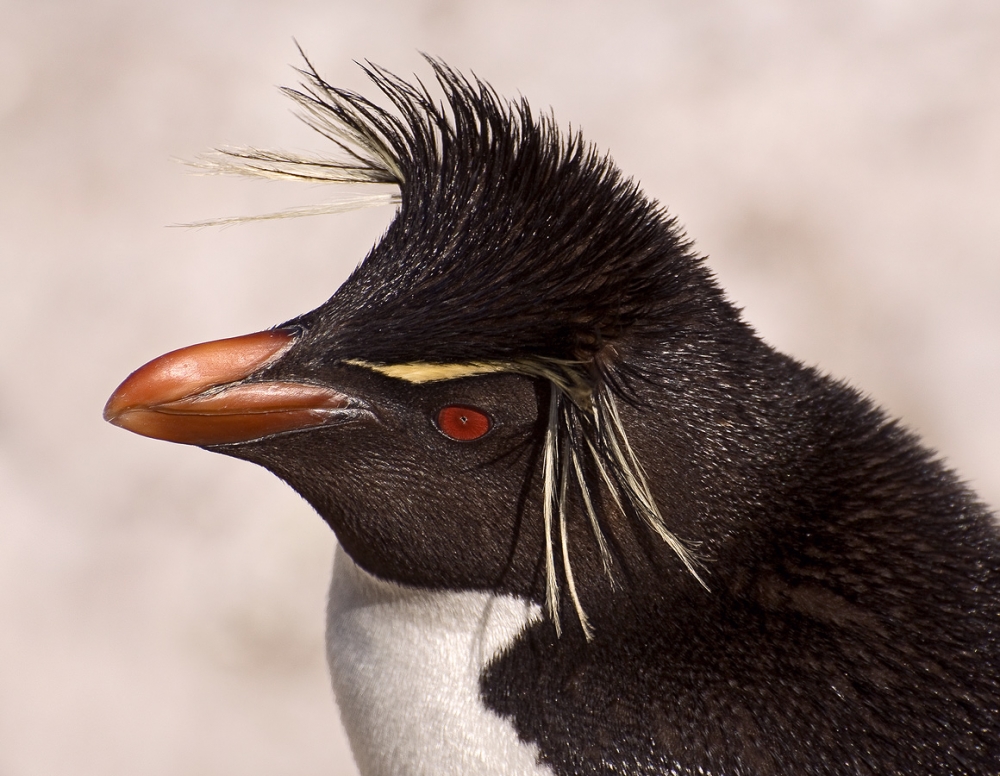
478, 406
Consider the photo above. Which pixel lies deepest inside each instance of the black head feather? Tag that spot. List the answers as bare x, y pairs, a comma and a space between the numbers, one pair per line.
498, 209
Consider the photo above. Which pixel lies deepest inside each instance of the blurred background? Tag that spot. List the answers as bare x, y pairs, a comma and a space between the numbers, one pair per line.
161, 608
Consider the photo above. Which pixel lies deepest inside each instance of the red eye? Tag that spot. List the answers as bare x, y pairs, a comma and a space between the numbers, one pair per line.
463, 423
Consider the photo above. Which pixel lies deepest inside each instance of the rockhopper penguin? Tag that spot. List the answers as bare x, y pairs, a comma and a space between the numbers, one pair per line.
589, 522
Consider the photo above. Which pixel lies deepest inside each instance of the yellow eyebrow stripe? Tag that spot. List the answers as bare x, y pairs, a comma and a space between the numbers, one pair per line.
427, 372
418, 372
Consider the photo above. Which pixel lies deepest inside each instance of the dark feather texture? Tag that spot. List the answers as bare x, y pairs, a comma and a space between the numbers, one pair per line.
848, 618
498, 210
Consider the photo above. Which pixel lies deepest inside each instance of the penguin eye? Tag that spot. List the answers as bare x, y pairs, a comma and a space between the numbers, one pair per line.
463, 424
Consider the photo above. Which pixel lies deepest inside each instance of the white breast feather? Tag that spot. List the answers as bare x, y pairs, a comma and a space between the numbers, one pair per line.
406, 664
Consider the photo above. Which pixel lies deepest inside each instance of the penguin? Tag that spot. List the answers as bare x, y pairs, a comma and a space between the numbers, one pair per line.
588, 521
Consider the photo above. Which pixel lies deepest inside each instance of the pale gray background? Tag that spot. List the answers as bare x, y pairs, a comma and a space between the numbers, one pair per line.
161, 608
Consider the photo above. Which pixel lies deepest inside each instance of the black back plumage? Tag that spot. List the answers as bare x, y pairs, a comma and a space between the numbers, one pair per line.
846, 616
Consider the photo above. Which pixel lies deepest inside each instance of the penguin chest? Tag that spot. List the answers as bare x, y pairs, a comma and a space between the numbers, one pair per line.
406, 665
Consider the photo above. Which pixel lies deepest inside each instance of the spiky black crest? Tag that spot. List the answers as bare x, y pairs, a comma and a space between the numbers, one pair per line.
497, 209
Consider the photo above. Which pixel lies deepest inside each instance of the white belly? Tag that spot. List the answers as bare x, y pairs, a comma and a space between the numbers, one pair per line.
406, 664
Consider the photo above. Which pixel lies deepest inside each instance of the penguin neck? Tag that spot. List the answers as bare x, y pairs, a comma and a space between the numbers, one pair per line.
407, 665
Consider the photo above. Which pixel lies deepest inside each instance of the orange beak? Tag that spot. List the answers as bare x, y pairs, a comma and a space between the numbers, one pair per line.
201, 395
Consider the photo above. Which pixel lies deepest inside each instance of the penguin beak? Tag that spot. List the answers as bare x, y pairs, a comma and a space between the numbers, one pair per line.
201, 395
